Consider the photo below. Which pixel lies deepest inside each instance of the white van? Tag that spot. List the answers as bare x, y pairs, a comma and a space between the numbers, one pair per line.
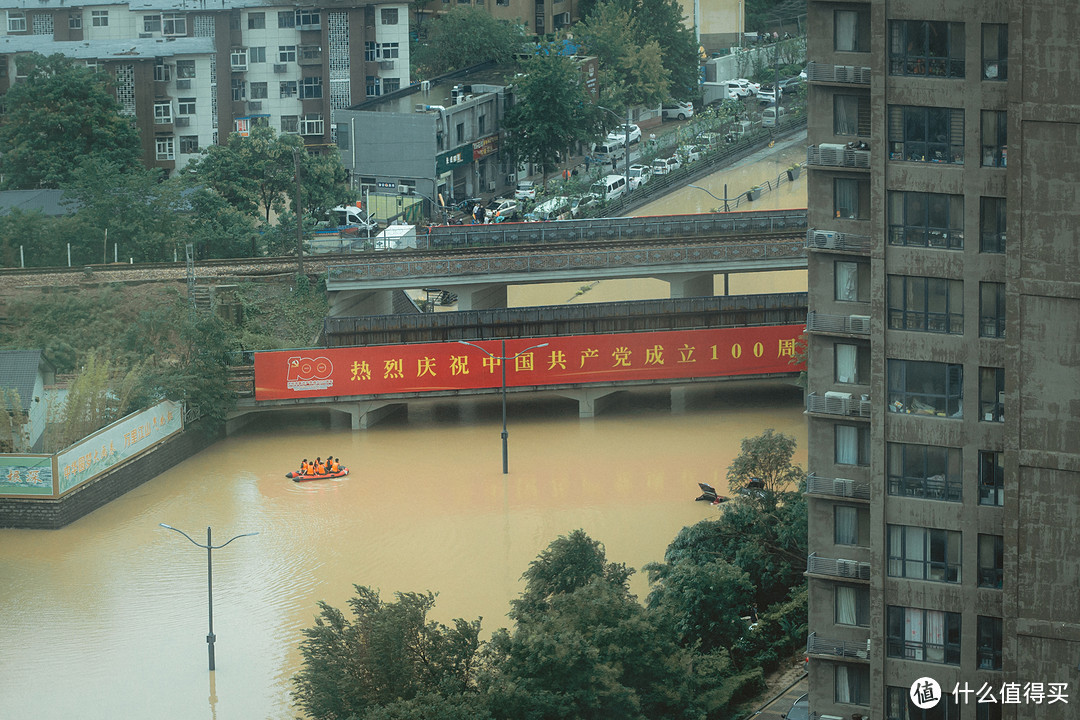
770, 116
610, 187
608, 150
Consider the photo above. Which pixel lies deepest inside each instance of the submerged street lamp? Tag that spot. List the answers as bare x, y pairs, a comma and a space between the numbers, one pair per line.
724, 199
502, 361
210, 547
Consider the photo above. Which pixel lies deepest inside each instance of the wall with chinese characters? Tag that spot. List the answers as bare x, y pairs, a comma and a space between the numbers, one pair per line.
579, 359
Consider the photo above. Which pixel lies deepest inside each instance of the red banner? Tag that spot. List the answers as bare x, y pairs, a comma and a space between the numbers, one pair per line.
433, 367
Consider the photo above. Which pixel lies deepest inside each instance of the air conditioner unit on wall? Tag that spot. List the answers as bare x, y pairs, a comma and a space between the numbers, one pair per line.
279, 68
492, 185
182, 121
404, 190
184, 84
859, 323
386, 64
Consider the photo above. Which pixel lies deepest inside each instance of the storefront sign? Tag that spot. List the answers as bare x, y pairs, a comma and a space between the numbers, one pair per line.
484, 147
444, 162
438, 367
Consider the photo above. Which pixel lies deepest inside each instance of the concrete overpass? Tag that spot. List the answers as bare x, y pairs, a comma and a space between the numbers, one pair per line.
478, 263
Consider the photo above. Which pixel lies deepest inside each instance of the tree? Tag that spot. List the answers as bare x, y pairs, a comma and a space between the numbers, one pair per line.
662, 21
631, 68
552, 110
60, 115
387, 655
129, 207
467, 36
256, 174
766, 457
703, 604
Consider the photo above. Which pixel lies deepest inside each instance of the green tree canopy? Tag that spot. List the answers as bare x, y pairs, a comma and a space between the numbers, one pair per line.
256, 174
388, 654
768, 458
631, 66
467, 36
703, 604
662, 21
552, 110
60, 115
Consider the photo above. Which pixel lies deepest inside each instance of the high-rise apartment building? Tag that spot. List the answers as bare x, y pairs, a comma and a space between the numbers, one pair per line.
944, 358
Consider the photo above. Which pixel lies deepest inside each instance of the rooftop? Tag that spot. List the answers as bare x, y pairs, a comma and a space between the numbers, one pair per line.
136, 48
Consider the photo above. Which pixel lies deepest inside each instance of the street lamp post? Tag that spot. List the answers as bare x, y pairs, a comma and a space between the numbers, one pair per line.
724, 199
446, 216
503, 359
210, 547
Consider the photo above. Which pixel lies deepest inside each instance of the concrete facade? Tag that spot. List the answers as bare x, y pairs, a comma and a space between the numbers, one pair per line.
944, 377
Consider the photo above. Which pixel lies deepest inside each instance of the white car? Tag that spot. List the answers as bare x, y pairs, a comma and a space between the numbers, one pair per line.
662, 166
580, 204
504, 208
639, 175
618, 135
767, 94
690, 153
739, 89
525, 190
673, 110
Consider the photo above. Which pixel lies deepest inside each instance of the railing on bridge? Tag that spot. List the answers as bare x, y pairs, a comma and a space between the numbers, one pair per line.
664, 227
556, 320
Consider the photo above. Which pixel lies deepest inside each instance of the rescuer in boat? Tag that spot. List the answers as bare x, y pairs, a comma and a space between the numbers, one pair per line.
335, 466
305, 467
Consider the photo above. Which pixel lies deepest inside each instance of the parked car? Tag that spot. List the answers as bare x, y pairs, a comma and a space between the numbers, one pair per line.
662, 166
639, 175
690, 153
753, 87
504, 208
677, 110
790, 84
771, 115
767, 94
467, 204
618, 135
580, 204
800, 709
556, 208
736, 90
525, 190
609, 187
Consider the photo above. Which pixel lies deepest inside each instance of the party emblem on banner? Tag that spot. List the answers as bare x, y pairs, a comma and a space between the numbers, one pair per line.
309, 373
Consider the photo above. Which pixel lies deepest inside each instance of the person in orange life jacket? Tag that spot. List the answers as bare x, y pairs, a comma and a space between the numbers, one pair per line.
319, 468
334, 467
305, 467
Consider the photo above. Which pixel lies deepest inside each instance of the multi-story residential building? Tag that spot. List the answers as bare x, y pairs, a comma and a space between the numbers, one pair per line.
190, 75
944, 370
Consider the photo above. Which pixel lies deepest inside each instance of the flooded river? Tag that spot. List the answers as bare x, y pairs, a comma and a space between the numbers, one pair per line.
107, 618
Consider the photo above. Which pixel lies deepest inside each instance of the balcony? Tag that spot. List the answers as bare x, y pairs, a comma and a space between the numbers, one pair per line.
837, 241
828, 647
837, 155
838, 324
848, 569
842, 74
837, 487
838, 403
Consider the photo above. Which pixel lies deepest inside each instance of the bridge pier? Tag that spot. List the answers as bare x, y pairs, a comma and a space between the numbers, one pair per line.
351, 303
686, 285
367, 413
590, 400
479, 297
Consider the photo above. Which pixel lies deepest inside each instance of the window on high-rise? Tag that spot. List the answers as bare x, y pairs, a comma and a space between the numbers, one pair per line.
286, 53
256, 20
926, 304
286, 19
851, 364
99, 18
174, 24
388, 16
851, 198
924, 553
851, 525
851, 115
391, 85
931, 472
900, 706
991, 478
991, 394
185, 69
239, 89
185, 106
991, 310
851, 30
927, 48
852, 684
189, 144
995, 138
851, 281
311, 88
851, 445
922, 219
164, 148
991, 561
923, 635
988, 644
925, 388
852, 605
162, 113
259, 91
151, 23
926, 134
992, 225
995, 52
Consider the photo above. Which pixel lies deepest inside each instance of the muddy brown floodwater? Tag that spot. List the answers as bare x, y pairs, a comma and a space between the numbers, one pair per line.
107, 618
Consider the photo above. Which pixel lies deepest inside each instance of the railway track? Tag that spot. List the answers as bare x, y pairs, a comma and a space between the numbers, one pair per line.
240, 268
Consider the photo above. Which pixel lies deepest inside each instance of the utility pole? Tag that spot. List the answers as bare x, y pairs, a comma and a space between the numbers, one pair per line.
299, 215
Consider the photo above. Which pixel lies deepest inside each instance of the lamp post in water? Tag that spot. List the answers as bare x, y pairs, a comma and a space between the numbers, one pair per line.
503, 359
210, 548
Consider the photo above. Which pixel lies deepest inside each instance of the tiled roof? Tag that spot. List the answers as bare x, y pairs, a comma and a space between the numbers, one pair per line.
49, 202
19, 370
